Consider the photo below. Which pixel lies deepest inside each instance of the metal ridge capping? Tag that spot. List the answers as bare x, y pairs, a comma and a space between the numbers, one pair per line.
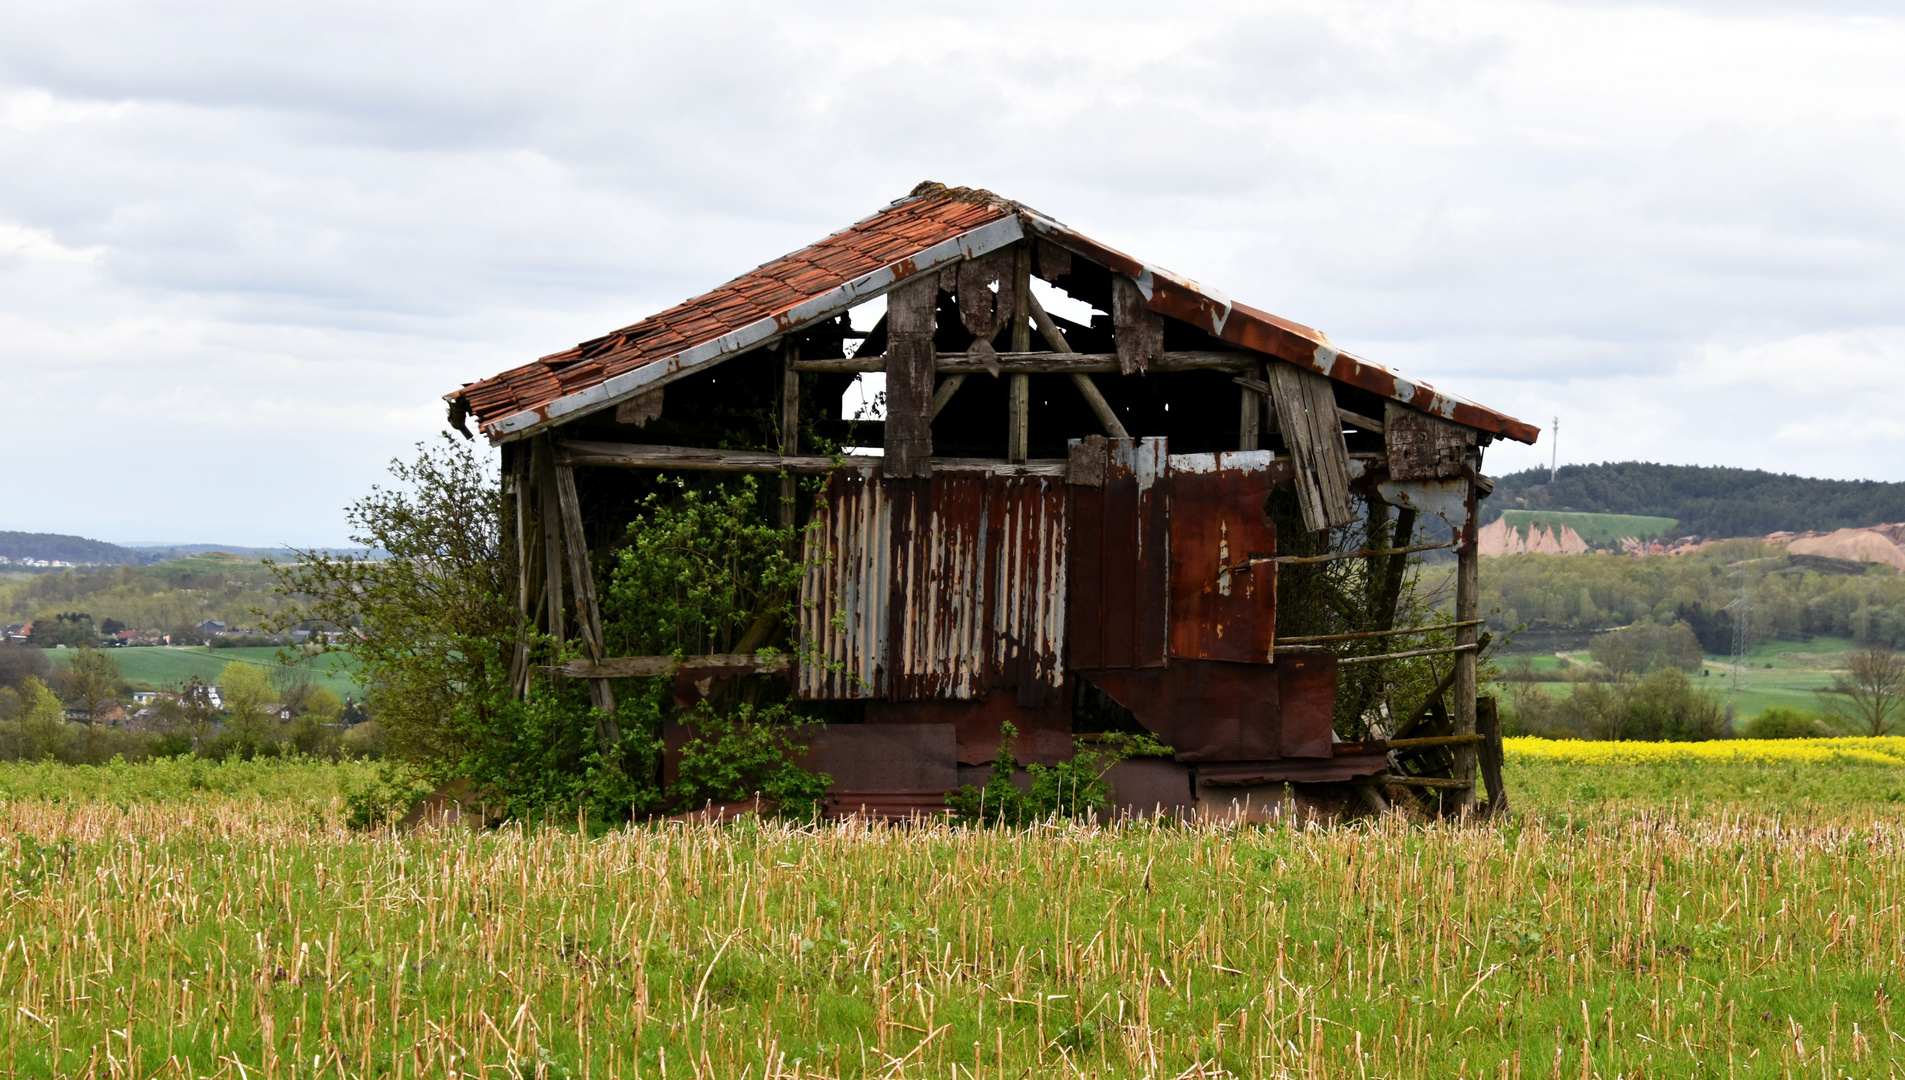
1002, 222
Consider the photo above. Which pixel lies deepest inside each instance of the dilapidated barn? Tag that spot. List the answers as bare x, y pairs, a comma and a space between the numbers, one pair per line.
1055, 518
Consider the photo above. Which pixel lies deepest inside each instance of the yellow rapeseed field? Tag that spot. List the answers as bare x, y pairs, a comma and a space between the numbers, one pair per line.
1889, 750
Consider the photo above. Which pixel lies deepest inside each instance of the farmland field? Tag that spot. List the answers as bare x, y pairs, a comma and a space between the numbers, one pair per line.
1660, 911
1782, 673
164, 667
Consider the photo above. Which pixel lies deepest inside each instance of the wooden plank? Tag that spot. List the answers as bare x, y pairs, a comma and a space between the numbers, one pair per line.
1048, 329
518, 456
980, 310
588, 613
1048, 363
1138, 330
1249, 418
1424, 447
551, 538
790, 427
1467, 593
1306, 407
910, 315
1430, 742
1488, 729
1444, 650
639, 667
1019, 402
1319, 638
1423, 781
579, 452
642, 408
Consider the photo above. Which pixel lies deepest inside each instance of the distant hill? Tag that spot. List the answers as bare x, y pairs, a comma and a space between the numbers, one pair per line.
1708, 502
53, 547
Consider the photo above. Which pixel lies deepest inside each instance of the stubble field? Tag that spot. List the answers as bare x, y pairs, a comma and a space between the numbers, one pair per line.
206, 922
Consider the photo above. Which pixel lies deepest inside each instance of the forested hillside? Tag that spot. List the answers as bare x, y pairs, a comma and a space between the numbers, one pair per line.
53, 547
1594, 592
1708, 502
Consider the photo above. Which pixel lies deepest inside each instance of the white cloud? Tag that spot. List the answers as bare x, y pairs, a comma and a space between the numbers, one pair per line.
244, 250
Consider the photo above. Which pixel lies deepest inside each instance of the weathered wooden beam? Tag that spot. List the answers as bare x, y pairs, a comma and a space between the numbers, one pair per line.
1366, 553
1048, 329
697, 459
1018, 435
640, 667
911, 318
1467, 595
1306, 408
1423, 781
1046, 363
1458, 650
588, 613
551, 537
1488, 730
1314, 639
790, 425
1431, 741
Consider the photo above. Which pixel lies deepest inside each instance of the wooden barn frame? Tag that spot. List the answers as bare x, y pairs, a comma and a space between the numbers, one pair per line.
1039, 518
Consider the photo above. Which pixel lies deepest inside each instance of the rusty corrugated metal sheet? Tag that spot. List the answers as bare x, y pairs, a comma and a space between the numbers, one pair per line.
1028, 547
1218, 522
1120, 605
936, 226
935, 589
844, 594
936, 643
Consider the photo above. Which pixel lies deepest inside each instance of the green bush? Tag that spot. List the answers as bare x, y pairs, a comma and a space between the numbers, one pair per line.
1069, 789
1781, 722
744, 753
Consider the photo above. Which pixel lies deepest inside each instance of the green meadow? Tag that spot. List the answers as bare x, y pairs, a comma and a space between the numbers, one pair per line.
164, 667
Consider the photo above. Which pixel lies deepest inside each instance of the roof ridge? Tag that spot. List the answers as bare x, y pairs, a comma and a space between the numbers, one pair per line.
973, 196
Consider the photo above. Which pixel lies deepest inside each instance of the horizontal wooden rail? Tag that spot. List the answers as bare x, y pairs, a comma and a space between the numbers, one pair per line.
1432, 741
1421, 781
1366, 553
1046, 363
645, 456
1315, 638
638, 667
1443, 651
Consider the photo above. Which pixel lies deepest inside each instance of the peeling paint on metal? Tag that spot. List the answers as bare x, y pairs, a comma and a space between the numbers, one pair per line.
1446, 499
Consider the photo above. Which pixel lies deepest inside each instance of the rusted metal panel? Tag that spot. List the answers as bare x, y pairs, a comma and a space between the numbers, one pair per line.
1045, 731
1306, 702
1223, 607
936, 640
886, 805
1143, 787
884, 757
1213, 710
940, 588
1027, 540
844, 593
1333, 769
1120, 566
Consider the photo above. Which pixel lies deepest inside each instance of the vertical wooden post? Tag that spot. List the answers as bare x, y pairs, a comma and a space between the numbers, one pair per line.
517, 502
911, 319
1018, 423
1467, 588
1488, 724
1249, 415
588, 615
551, 516
790, 425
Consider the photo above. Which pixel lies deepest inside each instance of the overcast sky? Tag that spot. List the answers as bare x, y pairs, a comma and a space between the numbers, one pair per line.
245, 248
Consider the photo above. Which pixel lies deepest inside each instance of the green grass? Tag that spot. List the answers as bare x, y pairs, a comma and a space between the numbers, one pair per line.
1799, 670
238, 930
1601, 530
164, 667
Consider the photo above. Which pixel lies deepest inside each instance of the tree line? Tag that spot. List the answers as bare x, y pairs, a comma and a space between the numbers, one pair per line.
1709, 502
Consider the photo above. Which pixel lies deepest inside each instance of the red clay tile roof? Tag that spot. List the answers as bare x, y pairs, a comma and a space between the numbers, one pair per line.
932, 227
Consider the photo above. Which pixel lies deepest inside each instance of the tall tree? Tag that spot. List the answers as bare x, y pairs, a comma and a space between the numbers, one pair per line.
1870, 696
93, 681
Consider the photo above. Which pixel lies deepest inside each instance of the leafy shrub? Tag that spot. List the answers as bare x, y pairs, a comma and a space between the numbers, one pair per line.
1780, 722
734, 757
1073, 788
384, 798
